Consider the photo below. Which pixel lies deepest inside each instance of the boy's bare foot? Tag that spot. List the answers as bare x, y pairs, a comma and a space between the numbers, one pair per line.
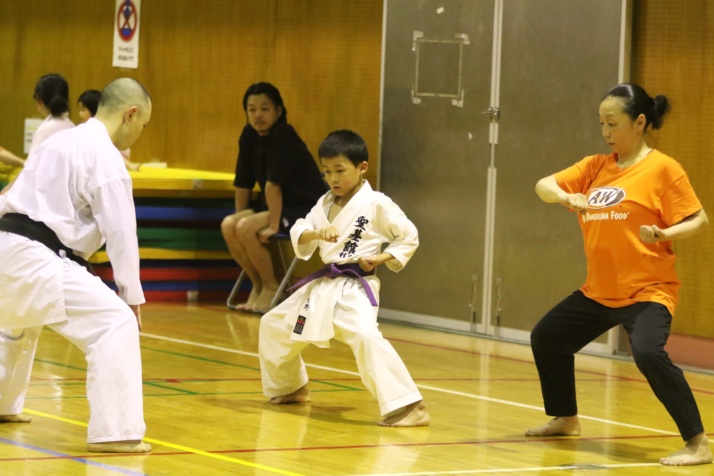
558, 426
248, 305
414, 414
19, 418
262, 304
696, 451
301, 395
128, 446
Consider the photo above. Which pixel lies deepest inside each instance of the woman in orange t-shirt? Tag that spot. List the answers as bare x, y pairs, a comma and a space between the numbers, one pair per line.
631, 205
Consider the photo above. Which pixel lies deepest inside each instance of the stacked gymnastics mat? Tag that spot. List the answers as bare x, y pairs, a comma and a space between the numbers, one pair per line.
183, 255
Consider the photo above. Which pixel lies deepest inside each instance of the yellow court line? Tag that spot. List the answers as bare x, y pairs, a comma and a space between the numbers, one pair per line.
174, 446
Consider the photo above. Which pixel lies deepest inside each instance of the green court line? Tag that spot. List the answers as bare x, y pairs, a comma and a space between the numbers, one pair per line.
178, 391
214, 361
59, 364
58, 384
162, 395
204, 359
333, 384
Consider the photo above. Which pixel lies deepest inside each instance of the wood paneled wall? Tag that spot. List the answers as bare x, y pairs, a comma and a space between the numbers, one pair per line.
197, 59
672, 55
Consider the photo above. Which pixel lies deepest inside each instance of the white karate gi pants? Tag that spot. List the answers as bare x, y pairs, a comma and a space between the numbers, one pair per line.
380, 367
105, 329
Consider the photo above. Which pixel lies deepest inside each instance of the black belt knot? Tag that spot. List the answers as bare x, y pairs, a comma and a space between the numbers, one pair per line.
23, 225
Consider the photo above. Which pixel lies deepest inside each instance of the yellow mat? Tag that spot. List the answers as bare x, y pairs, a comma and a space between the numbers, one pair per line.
152, 178
157, 253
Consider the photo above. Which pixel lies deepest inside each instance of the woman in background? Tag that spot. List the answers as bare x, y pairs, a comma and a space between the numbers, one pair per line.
52, 102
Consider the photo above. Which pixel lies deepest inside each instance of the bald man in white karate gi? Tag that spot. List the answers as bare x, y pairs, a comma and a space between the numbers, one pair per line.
73, 195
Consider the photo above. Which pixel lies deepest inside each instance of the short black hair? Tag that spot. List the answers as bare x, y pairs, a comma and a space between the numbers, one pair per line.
344, 142
90, 99
269, 90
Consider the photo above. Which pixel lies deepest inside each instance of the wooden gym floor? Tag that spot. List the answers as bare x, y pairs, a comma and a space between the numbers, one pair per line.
206, 414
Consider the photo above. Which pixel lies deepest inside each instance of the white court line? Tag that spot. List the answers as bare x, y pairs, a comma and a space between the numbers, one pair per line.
569, 467
425, 387
533, 407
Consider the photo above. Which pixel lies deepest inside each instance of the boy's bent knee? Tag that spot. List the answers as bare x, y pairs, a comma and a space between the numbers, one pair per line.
272, 323
366, 339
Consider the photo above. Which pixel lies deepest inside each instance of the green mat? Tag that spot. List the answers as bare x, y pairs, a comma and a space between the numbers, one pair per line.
181, 239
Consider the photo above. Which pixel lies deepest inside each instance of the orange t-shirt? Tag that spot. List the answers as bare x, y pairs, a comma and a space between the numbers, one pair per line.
622, 269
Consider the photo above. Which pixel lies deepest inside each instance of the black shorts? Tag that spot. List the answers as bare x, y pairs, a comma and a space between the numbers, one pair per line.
289, 216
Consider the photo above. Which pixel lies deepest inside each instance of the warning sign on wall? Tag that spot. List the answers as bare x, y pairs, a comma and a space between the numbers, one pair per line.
126, 34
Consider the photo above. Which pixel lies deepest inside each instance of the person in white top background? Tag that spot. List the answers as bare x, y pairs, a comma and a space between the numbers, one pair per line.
52, 102
73, 195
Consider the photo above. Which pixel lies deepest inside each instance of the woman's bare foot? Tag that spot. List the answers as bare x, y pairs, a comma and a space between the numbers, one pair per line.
414, 414
696, 451
248, 305
558, 426
19, 418
262, 304
301, 395
127, 446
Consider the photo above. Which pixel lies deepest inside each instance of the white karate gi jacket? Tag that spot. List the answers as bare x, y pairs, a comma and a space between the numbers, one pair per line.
77, 184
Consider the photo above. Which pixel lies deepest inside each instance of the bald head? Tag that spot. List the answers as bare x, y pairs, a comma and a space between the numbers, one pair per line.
123, 93
125, 110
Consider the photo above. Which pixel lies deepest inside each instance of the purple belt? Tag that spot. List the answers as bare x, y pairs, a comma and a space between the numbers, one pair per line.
335, 270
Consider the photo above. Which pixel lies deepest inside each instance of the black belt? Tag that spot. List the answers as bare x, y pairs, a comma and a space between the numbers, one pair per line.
23, 225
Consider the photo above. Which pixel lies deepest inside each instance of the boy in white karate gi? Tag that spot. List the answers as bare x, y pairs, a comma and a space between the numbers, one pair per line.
73, 195
349, 225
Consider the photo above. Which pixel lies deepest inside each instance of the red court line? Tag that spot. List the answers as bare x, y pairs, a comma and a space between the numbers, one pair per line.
335, 379
351, 447
498, 357
532, 363
457, 443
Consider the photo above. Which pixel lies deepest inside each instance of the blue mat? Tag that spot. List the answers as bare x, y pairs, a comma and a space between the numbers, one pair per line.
144, 212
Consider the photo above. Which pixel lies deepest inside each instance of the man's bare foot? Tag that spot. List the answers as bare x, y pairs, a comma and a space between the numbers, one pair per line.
414, 414
248, 305
262, 304
301, 395
558, 426
128, 446
696, 451
19, 418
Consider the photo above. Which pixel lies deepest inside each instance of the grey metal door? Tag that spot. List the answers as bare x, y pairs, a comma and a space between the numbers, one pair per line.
558, 58
462, 149
437, 73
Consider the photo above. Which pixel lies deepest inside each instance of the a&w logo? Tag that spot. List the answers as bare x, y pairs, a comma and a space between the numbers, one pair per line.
604, 197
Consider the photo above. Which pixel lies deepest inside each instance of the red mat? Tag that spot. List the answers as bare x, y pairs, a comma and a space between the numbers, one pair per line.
176, 274
191, 296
